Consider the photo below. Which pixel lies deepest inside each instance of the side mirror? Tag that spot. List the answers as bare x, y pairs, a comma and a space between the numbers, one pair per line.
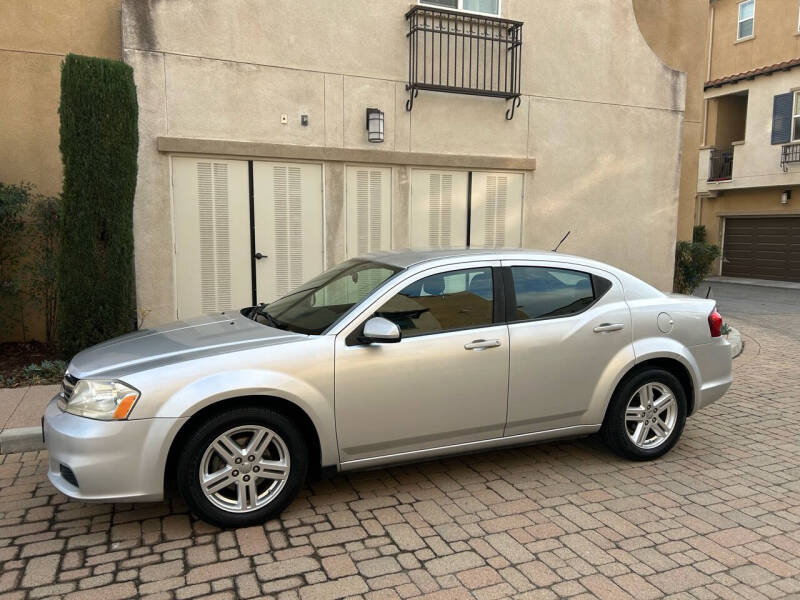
381, 331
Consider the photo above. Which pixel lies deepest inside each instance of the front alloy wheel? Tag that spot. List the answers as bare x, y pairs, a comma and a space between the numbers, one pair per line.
242, 466
646, 415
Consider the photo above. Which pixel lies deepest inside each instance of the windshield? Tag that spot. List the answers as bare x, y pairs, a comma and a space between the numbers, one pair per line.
318, 303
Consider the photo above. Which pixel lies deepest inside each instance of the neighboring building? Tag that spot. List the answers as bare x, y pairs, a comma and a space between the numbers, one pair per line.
254, 141
749, 167
253, 130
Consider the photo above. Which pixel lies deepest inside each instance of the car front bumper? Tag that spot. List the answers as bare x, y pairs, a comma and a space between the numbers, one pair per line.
111, 461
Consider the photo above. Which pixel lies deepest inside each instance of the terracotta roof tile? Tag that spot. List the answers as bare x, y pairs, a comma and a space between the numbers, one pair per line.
781, 66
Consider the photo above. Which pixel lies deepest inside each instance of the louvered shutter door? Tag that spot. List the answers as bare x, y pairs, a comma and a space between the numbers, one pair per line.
782, 118
369, 209
496, 203
438, 209
212, 228
288, 226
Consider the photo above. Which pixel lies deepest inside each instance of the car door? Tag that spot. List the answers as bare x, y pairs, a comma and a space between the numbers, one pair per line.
444, 383
570, 336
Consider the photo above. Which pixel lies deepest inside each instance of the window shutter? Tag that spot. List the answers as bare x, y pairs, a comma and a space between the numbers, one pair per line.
496, 219
288, 228
215, 254
782, 118
438, 209
496, 198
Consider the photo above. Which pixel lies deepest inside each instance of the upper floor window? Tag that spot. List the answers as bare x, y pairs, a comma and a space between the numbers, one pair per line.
796, 118
747, 10
489, 7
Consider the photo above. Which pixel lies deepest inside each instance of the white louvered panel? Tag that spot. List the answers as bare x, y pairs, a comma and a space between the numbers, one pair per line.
438, 209
295, 209
211, 224
205, 209
496, 219
368, 200
288, 226
222, 237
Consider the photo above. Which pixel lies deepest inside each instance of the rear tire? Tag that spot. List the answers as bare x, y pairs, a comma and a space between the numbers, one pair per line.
242, 466
646, 415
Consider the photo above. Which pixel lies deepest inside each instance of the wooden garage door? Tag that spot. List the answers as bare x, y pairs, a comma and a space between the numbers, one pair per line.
762, 248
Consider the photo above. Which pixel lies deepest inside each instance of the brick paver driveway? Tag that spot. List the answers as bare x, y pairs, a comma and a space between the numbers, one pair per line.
718, 517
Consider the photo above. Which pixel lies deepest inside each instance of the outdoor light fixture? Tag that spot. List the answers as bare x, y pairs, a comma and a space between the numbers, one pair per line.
375, 125
786, 196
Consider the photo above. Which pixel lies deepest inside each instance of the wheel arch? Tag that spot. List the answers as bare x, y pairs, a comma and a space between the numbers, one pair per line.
672, 365
286, 407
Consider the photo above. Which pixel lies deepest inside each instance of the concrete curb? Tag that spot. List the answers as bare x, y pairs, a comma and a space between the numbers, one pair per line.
21, 439
737, 345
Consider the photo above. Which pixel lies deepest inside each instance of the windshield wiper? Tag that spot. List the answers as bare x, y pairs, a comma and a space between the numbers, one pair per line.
262, 310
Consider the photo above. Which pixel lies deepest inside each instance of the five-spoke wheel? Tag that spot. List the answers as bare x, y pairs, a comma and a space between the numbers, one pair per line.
242, 466
646, 415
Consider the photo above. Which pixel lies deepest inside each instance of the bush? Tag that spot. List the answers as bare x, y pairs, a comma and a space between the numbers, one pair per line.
43, 231
693, 261
99, 142
14, 200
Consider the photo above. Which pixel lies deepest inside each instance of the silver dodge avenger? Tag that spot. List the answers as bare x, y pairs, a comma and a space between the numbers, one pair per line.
387, 358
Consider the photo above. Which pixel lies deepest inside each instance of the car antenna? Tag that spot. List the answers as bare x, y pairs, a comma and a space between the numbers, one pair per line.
562, 241
708, 292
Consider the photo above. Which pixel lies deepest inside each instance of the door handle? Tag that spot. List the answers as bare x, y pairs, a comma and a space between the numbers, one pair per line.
259, 256
481, 344
605, 327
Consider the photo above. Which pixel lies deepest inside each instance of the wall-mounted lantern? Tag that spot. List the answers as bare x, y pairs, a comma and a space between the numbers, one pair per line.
786, 196
374, 125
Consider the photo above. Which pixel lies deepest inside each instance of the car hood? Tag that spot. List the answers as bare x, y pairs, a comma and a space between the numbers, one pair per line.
176, 342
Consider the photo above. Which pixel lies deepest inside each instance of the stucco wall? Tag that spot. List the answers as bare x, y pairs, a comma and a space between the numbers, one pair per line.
600, 113
677, 30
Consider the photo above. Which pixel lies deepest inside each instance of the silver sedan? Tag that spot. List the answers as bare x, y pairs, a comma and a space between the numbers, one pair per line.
387, 358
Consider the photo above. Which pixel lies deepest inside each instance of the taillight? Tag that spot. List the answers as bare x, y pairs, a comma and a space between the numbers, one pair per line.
715, 323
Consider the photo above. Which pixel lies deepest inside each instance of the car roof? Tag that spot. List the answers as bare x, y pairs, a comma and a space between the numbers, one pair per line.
409, 257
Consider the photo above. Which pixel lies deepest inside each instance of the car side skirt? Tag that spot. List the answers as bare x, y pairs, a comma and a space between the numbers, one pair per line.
469, 447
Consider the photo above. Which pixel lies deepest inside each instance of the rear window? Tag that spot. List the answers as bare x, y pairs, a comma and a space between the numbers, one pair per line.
544, 292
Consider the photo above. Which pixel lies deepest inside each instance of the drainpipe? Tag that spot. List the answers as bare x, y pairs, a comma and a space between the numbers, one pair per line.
708, 70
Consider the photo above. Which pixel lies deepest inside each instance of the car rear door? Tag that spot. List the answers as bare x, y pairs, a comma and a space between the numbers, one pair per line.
445, 383
570, 337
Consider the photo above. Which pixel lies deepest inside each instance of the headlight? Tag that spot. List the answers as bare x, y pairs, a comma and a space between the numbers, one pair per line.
104, 400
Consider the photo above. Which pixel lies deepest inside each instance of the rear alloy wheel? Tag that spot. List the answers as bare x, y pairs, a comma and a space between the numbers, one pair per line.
242, 466
646, 416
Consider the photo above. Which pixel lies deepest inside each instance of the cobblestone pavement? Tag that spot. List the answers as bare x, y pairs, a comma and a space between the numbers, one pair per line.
717, 517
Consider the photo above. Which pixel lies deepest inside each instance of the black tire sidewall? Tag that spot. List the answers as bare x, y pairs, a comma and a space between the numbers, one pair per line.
614, 430
198, 441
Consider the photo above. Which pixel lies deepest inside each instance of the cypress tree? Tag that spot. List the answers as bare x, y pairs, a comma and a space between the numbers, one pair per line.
99, 143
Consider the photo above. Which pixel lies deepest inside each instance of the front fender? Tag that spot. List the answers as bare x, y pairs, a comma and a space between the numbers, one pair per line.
225, 385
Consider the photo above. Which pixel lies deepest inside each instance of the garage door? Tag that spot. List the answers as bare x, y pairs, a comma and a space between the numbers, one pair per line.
762, 248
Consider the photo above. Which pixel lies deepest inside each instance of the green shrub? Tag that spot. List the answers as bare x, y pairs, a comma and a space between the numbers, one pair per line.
14, 201
693, 261
43, 231
99, 142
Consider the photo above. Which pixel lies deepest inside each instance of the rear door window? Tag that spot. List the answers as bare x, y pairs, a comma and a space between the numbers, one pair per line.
544, 292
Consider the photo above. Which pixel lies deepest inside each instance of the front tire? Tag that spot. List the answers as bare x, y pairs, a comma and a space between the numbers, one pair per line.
242, 466
646, 415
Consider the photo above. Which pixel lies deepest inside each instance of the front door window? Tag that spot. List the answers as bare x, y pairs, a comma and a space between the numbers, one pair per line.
443, 302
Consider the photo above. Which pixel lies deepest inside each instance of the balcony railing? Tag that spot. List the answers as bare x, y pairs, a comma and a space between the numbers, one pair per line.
790, 153
720, 167
450, 51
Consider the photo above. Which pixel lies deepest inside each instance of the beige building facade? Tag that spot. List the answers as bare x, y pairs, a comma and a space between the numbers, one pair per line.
257, 106
254, 141
749, 164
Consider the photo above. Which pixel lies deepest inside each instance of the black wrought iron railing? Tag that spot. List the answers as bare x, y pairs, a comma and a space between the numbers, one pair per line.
451, 51
721, 164
790, 153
